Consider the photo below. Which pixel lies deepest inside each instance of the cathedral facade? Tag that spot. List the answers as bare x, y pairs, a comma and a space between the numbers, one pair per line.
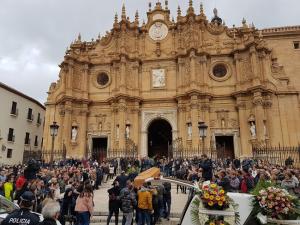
151, 84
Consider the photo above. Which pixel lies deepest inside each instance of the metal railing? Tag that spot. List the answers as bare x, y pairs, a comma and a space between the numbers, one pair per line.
43, 155
190, 153
278, 155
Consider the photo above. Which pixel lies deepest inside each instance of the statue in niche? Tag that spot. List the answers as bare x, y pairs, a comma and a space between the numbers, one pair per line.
74, 134
253, 129
189, 131
127, 132
223, 123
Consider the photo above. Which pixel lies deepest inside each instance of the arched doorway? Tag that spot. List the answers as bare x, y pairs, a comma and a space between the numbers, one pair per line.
159, 138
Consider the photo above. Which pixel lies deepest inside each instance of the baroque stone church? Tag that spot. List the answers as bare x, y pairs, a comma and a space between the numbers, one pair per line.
151, 84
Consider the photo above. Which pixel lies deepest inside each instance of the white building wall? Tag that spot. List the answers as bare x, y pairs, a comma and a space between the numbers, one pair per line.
20, 124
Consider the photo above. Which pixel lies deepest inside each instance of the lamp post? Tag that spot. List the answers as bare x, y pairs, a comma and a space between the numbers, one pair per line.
202, 132
53, 132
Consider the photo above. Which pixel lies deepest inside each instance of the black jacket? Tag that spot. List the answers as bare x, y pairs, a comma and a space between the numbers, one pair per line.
114, 202
21, 216
48, 221
206, 166
122, 179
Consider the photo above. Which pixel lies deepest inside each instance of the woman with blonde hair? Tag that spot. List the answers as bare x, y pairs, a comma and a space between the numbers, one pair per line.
85, 205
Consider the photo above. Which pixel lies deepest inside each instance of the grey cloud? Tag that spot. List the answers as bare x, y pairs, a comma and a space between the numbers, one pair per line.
47, 27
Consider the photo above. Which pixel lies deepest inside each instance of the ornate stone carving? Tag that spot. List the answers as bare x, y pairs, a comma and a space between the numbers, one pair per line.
246, 70
158, 78
100, 120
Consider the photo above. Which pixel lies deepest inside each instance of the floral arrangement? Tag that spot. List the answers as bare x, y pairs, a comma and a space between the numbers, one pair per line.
275, 203
216, 221
214, 197
212, 206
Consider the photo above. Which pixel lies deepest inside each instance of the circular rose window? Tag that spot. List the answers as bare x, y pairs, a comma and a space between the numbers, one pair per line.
219, 70
102, 79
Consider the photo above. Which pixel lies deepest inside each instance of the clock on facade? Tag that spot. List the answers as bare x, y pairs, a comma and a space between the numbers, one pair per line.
158, 78
158, 31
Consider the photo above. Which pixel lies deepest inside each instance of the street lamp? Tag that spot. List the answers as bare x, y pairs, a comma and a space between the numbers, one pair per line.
202, 132
53, 132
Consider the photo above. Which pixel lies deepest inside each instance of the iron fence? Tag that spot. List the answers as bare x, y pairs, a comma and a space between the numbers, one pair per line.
278, 155
189, 153
44, 155
31, 154
122, 153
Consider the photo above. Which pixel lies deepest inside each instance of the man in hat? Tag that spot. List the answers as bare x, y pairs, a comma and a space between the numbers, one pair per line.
23, 215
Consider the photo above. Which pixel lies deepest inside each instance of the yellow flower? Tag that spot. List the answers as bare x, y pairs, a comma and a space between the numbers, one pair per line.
223, 198
222, 192
220, 203
214, 193
218, 198
206, 196
212, 223
221, 223
211, 197
213, 185
210, 203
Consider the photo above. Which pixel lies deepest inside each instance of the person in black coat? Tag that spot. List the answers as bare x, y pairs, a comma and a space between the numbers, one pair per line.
206, 166
114, 202
167, 199
122, 179
67, 207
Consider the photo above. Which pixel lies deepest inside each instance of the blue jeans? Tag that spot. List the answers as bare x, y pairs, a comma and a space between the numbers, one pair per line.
144, 217
83, 218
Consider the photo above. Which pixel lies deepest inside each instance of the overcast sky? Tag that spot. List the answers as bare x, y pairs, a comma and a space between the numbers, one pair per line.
35, 33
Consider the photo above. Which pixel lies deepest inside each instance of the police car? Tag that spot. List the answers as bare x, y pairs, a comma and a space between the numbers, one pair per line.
6, 207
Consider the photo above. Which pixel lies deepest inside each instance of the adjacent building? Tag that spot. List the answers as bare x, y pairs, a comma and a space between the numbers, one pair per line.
151, 84
21, 125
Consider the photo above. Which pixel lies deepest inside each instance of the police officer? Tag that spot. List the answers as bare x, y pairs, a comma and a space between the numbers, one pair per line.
23, 216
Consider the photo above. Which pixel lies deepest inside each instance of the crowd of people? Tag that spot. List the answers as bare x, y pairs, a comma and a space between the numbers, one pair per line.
68, 187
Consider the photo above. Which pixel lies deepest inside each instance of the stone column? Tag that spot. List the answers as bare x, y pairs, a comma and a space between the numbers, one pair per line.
181, 120
205, 107
122, 113
135, 68
113, 110
269, 128
203, 64
244, 128
83, 133
259, 115
67, 127
194, 119
135, 130
85, 81
123, 75
69, 77
237, 61
193, 69
254, 65
180, 74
